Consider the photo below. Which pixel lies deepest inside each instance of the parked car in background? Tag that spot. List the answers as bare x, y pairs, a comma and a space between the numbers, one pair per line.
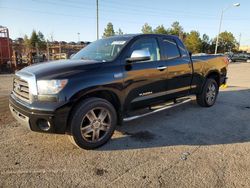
229, 56
248, 57
240, 57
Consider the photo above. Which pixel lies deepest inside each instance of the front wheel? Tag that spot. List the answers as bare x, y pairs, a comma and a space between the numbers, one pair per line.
209, 93
93, 123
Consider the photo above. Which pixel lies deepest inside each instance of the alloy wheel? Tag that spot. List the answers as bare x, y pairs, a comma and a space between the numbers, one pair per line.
95, 124
211, 94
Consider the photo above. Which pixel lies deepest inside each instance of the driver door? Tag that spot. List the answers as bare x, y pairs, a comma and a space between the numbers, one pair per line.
144, 81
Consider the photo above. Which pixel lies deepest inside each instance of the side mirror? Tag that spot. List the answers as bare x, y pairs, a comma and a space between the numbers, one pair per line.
70, 57
139, 55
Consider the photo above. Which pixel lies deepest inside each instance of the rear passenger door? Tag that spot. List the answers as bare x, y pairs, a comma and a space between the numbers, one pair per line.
179, 66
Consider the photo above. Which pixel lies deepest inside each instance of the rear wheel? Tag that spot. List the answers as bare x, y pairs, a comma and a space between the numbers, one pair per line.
93, 123
209, 93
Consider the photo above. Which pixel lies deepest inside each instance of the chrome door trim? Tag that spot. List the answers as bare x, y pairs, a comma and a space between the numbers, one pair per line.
153, 95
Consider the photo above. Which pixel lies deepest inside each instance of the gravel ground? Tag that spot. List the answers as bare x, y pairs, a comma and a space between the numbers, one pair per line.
187, 146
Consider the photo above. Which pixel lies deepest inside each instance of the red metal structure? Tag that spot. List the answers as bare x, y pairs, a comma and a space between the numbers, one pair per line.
5, 49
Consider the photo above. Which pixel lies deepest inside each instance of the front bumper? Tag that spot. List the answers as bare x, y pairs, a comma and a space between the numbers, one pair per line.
21, 118
223, 80
56, 115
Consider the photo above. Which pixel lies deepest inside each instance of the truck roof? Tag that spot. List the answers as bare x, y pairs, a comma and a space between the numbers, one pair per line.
141, 34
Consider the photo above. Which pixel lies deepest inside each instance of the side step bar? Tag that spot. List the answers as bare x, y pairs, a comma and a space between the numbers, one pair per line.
157, 110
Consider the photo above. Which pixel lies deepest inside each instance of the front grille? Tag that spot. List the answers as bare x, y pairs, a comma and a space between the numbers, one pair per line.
21, 89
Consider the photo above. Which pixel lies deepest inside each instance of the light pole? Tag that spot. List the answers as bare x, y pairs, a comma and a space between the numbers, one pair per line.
239, 42
97, 19
78, 34
221, 17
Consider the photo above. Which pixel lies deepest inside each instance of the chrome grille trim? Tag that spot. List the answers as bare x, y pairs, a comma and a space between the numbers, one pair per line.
24, 86
21, 89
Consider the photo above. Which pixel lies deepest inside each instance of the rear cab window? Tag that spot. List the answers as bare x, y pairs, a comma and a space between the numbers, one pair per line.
182, 48
170, 49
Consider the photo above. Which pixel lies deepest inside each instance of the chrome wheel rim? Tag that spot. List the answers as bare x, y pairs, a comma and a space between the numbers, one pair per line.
211, 94
95, 124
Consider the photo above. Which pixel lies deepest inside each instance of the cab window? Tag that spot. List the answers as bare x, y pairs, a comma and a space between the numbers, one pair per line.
184, 52
147, 43
170, 49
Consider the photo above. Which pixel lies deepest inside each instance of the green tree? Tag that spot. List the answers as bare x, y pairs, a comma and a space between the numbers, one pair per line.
205, 44
41, 41
18, 45
160, 30
193, 42
33, 39
26, 42
176, 29
119, 32
36, 40
109, 30
146, 29
227, 42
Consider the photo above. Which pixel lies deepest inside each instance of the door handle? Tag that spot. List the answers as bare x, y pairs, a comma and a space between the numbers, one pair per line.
162, 68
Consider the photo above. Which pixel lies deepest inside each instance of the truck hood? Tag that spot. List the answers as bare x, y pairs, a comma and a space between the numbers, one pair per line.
60, 69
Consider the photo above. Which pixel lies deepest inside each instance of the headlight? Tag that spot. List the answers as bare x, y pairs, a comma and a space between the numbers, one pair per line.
46, 87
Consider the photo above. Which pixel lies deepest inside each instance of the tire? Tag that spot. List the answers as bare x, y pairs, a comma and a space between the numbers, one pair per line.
209, 93
93, 123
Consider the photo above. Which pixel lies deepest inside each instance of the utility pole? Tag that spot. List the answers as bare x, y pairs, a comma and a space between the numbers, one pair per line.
52, 37
37, 53
239, 42
78, 34
60, 50
47, 50
8, 44
97, 19
221, 17
217, 39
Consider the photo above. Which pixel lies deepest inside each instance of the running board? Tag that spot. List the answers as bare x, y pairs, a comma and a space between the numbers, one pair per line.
156, 110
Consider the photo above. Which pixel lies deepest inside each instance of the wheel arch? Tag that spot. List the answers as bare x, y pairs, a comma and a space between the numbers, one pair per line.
106, 94
211, 74
214, 74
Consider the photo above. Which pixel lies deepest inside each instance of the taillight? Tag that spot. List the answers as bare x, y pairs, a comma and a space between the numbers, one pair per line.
226, 60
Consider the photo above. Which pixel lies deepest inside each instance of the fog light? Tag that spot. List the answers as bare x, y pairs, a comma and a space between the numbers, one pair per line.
43, 124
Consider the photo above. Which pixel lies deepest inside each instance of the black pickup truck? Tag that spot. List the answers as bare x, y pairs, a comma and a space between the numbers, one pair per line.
108, 81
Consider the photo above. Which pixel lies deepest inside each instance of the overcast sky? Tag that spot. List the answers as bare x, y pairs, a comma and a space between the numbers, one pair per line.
63, 19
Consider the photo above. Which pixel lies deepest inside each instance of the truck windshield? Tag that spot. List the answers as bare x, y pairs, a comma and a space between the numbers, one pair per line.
103, 49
